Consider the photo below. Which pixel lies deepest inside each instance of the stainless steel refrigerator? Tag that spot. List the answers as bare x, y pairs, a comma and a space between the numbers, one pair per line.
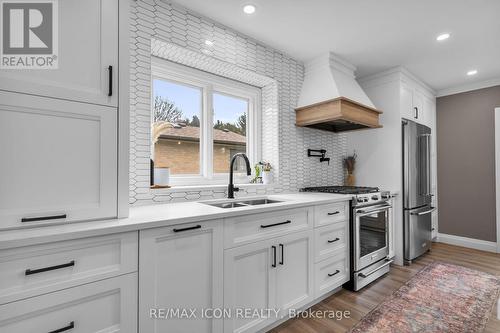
417, 196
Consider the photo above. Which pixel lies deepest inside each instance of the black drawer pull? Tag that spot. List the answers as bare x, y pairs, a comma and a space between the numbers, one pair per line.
110, 82
65, 328
274, 256
334, 213
43, 218
188, 228
282, 254
332, 274
274, 224
50, 268
333, 240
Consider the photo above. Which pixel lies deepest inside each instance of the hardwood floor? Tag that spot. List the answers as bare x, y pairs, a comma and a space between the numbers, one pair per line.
361, 302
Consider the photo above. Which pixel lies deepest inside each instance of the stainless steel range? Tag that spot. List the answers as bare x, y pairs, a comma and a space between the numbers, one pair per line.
370, 220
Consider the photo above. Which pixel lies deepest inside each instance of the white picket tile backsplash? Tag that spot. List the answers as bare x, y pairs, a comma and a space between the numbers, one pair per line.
162, 21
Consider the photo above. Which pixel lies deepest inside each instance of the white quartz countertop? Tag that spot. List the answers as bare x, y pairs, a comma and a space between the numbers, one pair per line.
152, 216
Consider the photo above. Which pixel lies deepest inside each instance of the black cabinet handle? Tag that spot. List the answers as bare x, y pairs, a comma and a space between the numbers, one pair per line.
334, 213
282, 254
50, 268
65, 328
187, 228
333, 240
274, 256
332, 274
416, 112
43, 218
274, 224
110, 81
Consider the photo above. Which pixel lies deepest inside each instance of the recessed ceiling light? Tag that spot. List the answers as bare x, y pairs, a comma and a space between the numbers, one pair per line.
472, 72
209, 42
443, 37
249, 9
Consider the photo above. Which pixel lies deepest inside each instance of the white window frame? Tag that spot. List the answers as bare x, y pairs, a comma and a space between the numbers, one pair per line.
208, 83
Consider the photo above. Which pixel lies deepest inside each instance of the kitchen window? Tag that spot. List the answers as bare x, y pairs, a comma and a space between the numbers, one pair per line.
199, 122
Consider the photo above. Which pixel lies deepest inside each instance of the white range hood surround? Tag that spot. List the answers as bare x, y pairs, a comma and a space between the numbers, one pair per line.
328, 77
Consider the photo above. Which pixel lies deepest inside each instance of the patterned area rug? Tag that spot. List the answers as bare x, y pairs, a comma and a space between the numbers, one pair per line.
440, 298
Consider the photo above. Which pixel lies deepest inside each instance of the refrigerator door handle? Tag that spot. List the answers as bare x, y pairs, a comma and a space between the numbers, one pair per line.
425, 212
429, 174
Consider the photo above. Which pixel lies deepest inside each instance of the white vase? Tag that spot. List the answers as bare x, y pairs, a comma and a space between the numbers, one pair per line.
267, 177
162, 176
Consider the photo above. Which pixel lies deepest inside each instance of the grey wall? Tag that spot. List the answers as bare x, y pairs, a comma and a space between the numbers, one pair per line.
466, 163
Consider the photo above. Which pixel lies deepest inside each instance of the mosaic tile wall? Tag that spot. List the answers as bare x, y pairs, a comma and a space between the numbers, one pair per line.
163, 21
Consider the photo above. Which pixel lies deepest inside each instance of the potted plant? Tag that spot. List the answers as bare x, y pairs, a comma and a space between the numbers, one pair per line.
267, 173
258, 170
349, 163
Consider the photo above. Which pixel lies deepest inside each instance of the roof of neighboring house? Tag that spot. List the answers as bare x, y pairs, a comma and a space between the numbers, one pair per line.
193, 134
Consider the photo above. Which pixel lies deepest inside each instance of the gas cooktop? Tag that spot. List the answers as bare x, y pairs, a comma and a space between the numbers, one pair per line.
342, 189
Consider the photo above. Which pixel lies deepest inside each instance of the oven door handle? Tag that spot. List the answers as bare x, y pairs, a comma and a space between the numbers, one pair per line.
376, 209
365, 275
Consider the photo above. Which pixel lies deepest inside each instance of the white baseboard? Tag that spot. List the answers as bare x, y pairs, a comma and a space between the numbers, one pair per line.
472, 243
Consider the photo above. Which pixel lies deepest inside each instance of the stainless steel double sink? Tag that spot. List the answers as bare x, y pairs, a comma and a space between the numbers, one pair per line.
242, 203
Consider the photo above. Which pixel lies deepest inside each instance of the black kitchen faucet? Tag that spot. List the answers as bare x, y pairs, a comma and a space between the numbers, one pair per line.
230, 188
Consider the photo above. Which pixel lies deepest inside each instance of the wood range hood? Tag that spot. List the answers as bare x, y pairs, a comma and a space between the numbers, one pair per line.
331, 99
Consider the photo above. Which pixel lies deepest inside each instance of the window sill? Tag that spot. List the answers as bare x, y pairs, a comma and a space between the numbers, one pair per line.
198, 188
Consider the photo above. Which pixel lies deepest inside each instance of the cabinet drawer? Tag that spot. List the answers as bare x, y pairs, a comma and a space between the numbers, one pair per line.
34, 270
330, 240
330, 274
250, 228
331, 213
105, 306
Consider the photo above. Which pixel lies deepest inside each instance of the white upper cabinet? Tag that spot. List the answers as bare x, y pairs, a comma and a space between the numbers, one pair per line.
59, 161
88, 56
180, 267
416, 104
406, 95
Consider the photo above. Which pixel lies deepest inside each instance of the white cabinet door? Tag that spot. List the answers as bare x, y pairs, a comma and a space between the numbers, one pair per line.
429, 108
59, 161
249, 283
106, 306
294, 274
88, 45
180, 267
407, 110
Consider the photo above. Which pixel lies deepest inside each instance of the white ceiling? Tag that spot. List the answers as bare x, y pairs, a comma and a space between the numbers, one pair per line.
376, 35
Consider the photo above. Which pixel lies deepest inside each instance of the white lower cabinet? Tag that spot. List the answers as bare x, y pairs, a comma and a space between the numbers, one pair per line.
186, 281
331, 273
249, 281
275, 274
109, 305
180, 269
294, 274
39, 269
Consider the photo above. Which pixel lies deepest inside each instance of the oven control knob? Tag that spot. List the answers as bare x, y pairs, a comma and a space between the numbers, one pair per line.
366, 199
375, 197
360, 200
385, 196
